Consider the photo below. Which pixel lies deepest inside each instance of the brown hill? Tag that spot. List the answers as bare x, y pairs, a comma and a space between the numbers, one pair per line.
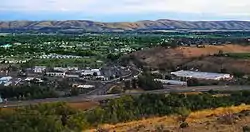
169, 58
215, 64
163, 24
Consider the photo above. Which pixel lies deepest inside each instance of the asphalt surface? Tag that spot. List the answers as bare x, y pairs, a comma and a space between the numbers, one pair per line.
107, 84
105, 97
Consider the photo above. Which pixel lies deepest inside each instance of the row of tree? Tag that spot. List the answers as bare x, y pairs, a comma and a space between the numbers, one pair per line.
60, 117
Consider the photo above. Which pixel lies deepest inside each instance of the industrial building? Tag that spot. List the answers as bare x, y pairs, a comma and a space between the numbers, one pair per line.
172, 82
202, 75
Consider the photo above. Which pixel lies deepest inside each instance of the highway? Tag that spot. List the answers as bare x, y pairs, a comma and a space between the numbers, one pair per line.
81, 98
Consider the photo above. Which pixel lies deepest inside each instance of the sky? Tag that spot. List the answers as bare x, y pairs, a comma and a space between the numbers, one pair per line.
124, 10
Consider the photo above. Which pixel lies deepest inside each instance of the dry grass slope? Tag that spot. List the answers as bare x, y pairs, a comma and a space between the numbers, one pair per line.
83, 105
164, 57
200, 121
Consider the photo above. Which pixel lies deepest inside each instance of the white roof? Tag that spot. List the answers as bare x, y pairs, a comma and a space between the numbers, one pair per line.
95, 70
86, 86
5, 78
29, 78
201, 75
173, 82
91, 72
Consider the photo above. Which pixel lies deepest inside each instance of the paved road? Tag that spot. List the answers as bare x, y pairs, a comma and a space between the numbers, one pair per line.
104, 97
107, 84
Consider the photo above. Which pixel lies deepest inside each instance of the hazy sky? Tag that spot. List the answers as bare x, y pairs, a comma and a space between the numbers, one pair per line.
124, 10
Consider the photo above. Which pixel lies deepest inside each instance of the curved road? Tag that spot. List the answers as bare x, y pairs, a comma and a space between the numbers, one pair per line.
105, 97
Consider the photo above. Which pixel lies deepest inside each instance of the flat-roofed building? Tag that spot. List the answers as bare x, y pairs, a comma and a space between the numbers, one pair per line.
172, 82
202, 75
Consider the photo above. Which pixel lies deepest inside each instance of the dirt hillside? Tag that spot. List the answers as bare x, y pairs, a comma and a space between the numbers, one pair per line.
165, 57
201, 121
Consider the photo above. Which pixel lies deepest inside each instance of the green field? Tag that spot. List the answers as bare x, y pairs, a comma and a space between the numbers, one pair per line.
238, 55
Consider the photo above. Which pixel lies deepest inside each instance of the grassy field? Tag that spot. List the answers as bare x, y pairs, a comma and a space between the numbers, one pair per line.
238, 55
200, 121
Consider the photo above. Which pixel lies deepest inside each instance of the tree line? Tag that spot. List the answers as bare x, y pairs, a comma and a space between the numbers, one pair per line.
61, 117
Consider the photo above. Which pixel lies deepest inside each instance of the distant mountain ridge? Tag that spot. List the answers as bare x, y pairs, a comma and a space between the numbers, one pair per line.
84, 25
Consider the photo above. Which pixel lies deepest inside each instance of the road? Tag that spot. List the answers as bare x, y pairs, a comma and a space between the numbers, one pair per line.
107, 84
105, 97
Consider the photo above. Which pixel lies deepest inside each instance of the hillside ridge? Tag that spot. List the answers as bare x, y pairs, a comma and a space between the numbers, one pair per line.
145, 25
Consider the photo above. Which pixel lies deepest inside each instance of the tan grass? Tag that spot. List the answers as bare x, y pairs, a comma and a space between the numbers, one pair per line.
172, 122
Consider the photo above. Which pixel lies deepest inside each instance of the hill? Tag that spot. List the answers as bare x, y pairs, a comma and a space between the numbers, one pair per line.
204, 120
169, 58
83, 25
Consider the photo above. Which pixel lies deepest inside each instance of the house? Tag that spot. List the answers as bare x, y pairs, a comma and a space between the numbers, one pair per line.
91, 72
101, 78
56, 74
39, 69
73, 68
38, 80
72, 76
86, 86
62, 69
82, 88
29, 79
66, 69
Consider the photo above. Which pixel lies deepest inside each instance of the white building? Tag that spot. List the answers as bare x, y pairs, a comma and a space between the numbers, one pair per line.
172, 82
64, 69
6, 81
91, 72
28, 79
1, 100
83, 88
56, 74
56, 56
72, 76
86, 86
39, 69
202, 75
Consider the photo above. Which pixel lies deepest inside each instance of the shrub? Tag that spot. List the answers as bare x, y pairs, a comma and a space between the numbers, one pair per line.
246, 128
184, 125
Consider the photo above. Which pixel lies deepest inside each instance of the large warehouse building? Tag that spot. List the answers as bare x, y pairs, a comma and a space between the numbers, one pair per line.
202, 75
